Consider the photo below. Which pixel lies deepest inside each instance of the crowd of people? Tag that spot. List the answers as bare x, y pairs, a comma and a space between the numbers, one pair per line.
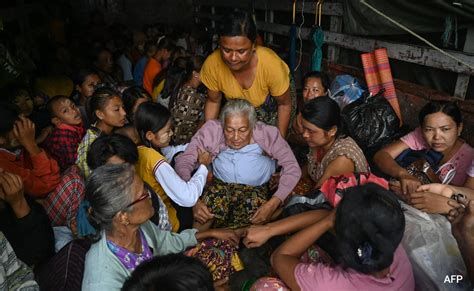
166, 160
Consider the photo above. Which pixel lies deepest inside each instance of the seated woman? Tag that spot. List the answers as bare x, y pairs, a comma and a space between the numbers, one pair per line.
368, 235
244, 152
331, 153
121, 208
439, 131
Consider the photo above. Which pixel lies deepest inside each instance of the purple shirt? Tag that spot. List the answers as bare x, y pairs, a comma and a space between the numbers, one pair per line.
210, 137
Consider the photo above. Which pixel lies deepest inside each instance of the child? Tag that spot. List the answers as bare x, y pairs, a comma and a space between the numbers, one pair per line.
153, 123
68, 131
369, 225
85, 82
132, 98
170, 272
21, 155
153, 67
106, 113
187, 104
150, 51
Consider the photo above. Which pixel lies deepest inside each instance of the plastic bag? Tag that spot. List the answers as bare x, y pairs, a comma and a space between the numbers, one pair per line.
371, 122
433, 251
345, 89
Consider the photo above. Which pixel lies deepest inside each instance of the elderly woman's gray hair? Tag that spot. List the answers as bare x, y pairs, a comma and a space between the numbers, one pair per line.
239, 107
109, 190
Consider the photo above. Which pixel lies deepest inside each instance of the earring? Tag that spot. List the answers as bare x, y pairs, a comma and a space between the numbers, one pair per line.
126, 222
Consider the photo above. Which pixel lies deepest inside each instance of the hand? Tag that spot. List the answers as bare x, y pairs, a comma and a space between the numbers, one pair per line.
462, 219
201, 213
265, 212
436, 188
11, 188
226, 234
430, 203
24, 132
44, 134
204, 157
274, 181
257, 235
409, 184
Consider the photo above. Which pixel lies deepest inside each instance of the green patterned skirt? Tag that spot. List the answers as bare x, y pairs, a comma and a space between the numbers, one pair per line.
233, 204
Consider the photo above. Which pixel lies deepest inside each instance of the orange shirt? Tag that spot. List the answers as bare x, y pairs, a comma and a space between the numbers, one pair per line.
152, 68
40, 173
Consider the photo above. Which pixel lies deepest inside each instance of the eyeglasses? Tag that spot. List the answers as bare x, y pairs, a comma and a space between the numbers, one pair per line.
146, 194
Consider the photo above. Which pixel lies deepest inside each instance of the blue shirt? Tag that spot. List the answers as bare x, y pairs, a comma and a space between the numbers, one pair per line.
247, 165
139, 70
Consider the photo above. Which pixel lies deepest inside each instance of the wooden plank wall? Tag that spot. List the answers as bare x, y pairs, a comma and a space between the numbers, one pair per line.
411, 96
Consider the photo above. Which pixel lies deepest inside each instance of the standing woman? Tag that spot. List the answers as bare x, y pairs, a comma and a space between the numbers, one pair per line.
240, 69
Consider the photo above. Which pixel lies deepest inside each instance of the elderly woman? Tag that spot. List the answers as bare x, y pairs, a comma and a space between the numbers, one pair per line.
244, 152
121, 208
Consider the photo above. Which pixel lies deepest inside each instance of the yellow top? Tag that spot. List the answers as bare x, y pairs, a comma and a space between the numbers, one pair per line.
272, 77
148, 160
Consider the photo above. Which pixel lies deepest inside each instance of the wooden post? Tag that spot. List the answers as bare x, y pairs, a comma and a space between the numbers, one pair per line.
213, 12
268, 35
463, 80
335, 25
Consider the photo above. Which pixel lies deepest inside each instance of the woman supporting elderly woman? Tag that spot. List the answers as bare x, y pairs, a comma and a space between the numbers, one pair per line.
245, 154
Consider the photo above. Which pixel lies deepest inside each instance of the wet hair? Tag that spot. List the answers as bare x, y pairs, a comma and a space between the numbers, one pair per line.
317, 75
109, 190
236, 107
99, 100
9, 116
52, 101
369, 227
152, 117
447, 107
82, 74
130, 97
238, 23
106, 146
324, 113
173, 272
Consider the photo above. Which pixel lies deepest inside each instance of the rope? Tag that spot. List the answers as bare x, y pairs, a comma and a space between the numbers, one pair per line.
416, 35
299, 36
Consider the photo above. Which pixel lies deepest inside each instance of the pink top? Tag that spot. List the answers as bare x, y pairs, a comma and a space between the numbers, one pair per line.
460, 162
321, 277
210, 137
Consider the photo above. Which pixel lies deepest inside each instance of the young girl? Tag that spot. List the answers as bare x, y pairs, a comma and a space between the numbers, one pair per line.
186, 103
153, 123
132, 98
154, 65
85, 83
106, 112
369, 225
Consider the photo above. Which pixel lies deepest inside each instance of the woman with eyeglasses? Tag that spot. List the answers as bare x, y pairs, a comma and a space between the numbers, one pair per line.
439, 132
121, 208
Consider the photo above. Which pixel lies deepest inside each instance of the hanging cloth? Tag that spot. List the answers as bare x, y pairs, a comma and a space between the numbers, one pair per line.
317, 36
292, 47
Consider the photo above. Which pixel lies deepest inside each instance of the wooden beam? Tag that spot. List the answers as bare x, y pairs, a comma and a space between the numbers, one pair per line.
403, 52
462, 82
335, 9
